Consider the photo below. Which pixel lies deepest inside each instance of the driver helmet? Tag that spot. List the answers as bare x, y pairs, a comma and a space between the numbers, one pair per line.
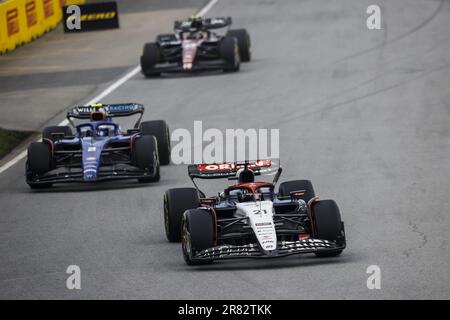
98, 116
245, 175
196, 22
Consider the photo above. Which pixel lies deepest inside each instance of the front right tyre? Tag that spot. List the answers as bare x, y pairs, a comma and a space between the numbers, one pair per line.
145, 157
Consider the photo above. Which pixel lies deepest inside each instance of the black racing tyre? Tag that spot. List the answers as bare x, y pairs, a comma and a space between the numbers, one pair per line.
49, 131
160, 130
39, 161
243, 39
229, 52
145, 156
150, 57
328, 224
197, 234
296, 185
176, 202
166, 37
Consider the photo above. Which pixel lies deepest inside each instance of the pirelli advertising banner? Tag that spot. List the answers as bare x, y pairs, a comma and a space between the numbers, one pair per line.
91, 17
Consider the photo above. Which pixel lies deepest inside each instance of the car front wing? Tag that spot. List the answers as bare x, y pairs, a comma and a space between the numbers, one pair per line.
284, 248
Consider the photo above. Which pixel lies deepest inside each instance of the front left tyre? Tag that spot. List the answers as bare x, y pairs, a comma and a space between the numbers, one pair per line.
145, 157
197, 235
160, 130
328, 225
229, 52
39, 162
243, 39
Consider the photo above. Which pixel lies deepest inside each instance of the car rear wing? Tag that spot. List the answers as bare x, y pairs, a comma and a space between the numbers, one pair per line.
229, 169
111, 111
208, 24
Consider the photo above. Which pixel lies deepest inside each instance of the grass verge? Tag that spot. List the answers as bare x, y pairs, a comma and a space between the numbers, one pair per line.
10, 139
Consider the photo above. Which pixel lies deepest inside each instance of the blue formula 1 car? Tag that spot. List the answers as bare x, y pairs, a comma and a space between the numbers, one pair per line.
99, 150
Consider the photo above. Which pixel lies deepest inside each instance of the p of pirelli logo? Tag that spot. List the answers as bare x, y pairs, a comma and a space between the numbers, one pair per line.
30, 9
91, 17
12, 21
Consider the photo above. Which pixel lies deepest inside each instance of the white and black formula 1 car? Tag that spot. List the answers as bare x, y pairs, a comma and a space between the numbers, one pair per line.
195, 45
250, 219
99, 150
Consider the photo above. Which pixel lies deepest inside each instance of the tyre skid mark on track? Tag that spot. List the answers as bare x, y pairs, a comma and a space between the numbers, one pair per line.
422, 236
397, 38
362, 84
360, 97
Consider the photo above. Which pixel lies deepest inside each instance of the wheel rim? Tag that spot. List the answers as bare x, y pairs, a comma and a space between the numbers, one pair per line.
186, 243
166, 215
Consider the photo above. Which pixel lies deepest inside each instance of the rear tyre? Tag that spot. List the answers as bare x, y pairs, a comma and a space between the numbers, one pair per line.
176, 202
145, 157
229, 52
197, 235
150, 57
39, 161
296, 185
243, 39
49, 131
327, 220
160, 130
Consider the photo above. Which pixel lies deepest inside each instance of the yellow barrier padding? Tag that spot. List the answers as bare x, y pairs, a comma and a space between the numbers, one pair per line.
52, 13
69, 2
10, 31
33, 18
22, 21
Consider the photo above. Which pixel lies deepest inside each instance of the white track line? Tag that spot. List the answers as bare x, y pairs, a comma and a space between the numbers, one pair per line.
207, 7
104, 93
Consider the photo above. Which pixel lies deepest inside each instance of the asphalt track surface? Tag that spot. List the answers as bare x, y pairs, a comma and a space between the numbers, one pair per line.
364, 114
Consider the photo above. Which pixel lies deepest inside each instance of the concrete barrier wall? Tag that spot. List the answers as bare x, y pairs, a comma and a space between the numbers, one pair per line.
22, 21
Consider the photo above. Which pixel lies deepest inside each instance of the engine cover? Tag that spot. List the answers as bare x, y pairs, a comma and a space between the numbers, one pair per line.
260, 215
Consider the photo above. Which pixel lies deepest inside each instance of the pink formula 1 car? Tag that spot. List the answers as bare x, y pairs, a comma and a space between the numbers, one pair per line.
195, 45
